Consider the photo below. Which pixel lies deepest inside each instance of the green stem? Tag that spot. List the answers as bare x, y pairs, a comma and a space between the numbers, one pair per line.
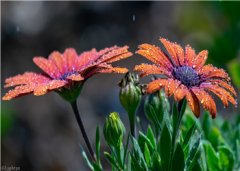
80, 124
132, 120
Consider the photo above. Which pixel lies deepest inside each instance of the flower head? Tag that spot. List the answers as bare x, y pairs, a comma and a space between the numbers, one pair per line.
186, 75
65, 73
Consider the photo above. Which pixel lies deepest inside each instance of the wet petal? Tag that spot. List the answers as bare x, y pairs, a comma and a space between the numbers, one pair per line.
25, 79
18, 91
156, 85
189, 55
75, 77
70, 56
147, 69
206, 100
223, 84
193, 103
171, 50
155, 55
180, 53
200, 59
86, 58
59, 61
114, 70
209, 71
171, 86
224, 95
180, 92
47, 66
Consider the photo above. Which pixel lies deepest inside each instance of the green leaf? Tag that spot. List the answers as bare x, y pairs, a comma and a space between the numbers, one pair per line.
188, 135
192, 153
111, 160
226, 158
135, 164
197, 167
178, 159
138, 153
97, 144
147, 155
213, 162
156, 162
151, 137
97, 167
165, 147
87, 160
142, 139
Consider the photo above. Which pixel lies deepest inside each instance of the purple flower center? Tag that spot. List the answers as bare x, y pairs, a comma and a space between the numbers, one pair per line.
187, 75
64, 76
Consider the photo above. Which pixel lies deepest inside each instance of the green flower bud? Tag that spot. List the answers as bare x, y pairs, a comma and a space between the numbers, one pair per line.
130, 96
113, 130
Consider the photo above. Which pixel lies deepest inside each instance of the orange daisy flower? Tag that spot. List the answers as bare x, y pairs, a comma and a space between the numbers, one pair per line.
65, 73
186, 75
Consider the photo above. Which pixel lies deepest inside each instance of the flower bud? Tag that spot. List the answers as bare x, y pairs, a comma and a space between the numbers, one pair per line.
130, 93
130, 96
113, 129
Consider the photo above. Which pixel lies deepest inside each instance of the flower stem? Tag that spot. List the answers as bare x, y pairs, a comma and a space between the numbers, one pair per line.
132, 120
80, 124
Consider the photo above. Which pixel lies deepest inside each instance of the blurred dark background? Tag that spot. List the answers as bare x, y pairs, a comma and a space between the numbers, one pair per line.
40, 133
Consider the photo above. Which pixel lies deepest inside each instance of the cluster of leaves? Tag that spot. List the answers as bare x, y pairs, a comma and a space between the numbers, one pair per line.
174, 140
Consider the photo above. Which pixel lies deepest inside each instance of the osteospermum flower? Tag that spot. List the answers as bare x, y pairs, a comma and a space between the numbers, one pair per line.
65, 73
186, 75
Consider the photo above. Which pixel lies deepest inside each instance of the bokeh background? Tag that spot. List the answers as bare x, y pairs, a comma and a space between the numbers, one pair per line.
40, 133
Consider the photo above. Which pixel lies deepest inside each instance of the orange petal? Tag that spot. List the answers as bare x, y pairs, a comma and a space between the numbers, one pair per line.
26, 78
224, 85
193, 103
114, 55
180, 53
59, 61
42, 89
114, 70
47, 66
147, 69
75, 77
189, 55
180, 92
155, 55
206, 100
171, 86
224, 95
171, 50
70, 56
18, 91
156, 85
200, 59
86, 58
209, 71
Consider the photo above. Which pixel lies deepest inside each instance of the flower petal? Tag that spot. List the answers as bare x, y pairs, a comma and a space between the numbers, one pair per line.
70, 56
171, 86
25, 79
180, 92
114, 55
155, 55
171, 50
209, 71
86, 58
193, 103
47, 66
200, 59
189, 55
18, 91
60, 62
224, 95
224, 85
206, 100
156, 85
114, 70
75, 77
180, 53
147, 69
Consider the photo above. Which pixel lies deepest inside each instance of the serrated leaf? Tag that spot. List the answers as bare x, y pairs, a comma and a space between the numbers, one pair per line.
178, 159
